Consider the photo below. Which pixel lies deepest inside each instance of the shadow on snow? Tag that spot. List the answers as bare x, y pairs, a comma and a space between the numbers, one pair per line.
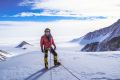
38, 74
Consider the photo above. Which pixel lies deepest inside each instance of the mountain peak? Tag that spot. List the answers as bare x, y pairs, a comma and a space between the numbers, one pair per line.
118, 20
103, 37
22, 44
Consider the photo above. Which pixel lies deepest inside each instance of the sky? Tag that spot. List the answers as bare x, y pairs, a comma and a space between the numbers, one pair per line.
52, 10
67, 19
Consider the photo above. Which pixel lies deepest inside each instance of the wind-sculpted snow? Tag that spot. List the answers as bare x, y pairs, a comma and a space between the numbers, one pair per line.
84, 65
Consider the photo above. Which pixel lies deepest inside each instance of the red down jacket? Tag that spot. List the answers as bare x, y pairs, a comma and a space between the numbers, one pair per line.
45, 43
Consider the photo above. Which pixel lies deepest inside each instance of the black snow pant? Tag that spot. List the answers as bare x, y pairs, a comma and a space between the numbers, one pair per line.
46, 56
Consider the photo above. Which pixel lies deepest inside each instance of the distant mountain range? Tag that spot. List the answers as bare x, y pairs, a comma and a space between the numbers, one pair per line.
105, 39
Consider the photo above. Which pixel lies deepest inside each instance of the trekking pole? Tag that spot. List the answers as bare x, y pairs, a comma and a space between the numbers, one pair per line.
50, 66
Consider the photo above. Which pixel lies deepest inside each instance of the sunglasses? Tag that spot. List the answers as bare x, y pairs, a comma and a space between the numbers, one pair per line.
47, 31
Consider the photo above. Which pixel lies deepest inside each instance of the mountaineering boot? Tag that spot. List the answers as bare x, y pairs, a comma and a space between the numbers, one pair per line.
57, 63
46, 65
46, 62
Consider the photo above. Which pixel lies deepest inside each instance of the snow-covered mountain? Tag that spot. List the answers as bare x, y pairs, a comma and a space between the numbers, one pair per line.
106, 39
24, 45
3, 55
100, 35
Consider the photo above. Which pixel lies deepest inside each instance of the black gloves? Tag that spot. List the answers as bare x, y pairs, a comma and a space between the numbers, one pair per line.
42, 50
55, 48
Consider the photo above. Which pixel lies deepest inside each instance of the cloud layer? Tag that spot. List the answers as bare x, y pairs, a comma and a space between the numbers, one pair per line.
12, 31
76, 7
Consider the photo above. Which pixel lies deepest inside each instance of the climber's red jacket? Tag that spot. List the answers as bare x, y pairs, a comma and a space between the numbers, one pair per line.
45, 43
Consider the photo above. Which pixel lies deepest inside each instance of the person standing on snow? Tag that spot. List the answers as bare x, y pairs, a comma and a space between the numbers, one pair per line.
46, 44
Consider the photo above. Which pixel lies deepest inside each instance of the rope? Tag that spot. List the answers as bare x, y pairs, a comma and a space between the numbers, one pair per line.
51, 78
70, 72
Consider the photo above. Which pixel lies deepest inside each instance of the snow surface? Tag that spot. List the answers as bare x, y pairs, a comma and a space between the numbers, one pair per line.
86, 66
27, 64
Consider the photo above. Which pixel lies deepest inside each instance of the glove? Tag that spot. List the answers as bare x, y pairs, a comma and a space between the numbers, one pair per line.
54, 48
42, 50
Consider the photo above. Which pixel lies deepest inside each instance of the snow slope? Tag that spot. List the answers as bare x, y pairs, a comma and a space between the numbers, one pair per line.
84, 65
101, 35
27, 64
